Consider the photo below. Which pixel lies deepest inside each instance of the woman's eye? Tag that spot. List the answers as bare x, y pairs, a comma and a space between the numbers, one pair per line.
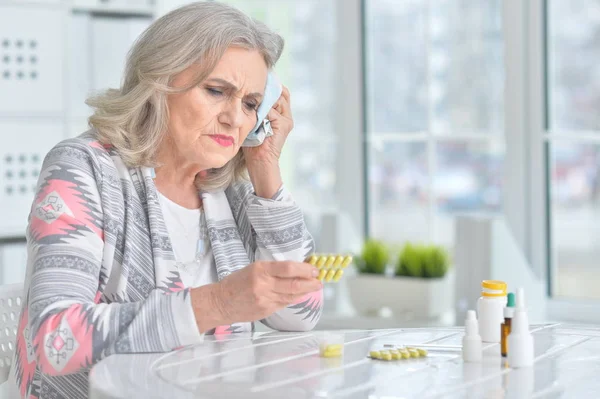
251, 106
214, 92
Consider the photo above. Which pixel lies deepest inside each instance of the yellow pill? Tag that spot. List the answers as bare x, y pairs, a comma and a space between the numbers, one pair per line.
375, 355
330, 274
336, 347
338, 261
405, 354
332, 354
386, 356
396, 355
413, 353
312, 260
422, 352
338, 275
322, 274
329, 263
347, 261
333, 348
321, 261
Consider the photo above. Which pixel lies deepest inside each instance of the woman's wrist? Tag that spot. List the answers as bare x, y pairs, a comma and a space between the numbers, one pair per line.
208, 307
265, 178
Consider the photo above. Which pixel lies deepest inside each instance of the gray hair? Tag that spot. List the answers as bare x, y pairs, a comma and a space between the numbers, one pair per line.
133, 119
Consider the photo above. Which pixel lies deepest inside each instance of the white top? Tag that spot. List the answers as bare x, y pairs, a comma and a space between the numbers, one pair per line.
184, 230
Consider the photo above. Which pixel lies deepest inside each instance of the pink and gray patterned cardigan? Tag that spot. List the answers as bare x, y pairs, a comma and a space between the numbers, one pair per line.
101, 275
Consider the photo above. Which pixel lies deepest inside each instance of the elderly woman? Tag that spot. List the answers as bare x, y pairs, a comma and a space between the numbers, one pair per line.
145, 232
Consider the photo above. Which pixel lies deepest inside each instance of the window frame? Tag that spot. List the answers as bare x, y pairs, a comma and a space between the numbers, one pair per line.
428, 137
574, 309
527, 140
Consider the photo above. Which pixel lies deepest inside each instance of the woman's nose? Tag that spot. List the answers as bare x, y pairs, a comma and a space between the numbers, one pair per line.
233, 115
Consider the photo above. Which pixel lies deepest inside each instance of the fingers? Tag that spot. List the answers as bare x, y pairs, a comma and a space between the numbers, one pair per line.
286, 94
284, 108
285, 300
296, 286
283, 104
274, 115
279, 121
290, 270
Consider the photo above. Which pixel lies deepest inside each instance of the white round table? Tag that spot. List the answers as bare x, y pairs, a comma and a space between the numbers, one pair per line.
287, 365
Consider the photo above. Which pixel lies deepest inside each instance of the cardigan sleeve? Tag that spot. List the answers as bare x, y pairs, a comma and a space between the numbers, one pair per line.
68, 327
274, 229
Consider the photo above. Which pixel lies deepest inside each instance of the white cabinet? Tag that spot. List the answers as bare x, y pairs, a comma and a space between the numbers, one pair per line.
138, 7
97, 48
78, 66
111, 39
31, 60
13, 263
25, 144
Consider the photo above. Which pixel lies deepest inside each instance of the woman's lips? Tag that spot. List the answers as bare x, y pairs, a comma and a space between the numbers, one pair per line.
225, 141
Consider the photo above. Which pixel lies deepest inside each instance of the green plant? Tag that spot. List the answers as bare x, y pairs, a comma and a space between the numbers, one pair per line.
373, 258
437, 262
410, 262
429, 261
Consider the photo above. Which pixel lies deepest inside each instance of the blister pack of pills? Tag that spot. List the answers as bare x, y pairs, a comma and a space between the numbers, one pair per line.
398, 354
331, 267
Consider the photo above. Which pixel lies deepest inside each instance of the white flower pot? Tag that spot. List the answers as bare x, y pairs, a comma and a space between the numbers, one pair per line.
418, 298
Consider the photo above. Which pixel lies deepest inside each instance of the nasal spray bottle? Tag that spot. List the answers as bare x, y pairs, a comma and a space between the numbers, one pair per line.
520, 340
471, 344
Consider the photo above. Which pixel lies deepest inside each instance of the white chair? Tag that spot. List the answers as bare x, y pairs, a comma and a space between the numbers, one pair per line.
11, 300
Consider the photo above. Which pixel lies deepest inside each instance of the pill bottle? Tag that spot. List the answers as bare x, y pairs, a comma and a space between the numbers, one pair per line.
490, 310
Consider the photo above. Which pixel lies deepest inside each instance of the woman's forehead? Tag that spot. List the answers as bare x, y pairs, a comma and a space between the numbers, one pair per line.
244, 69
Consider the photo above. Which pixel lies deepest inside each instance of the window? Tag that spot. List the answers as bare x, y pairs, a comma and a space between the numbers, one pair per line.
435, 80
308, 68
573, 138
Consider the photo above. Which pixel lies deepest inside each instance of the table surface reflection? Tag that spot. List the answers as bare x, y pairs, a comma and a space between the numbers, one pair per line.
287, 365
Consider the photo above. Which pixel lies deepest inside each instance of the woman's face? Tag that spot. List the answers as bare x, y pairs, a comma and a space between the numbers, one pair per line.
208, 123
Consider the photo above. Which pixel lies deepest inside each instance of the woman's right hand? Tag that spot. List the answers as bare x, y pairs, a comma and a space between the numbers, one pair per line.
253, 293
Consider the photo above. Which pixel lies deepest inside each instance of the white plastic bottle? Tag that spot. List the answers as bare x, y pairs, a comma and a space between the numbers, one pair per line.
490, 309
471, 343
520, 340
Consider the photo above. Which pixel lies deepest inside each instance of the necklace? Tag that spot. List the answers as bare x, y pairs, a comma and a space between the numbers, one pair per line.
190, 267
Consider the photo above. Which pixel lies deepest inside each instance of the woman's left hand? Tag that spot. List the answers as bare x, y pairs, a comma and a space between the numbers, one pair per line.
263, 161
281, 123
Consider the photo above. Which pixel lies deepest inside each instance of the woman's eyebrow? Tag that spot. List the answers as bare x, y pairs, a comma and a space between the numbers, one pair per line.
233, 87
